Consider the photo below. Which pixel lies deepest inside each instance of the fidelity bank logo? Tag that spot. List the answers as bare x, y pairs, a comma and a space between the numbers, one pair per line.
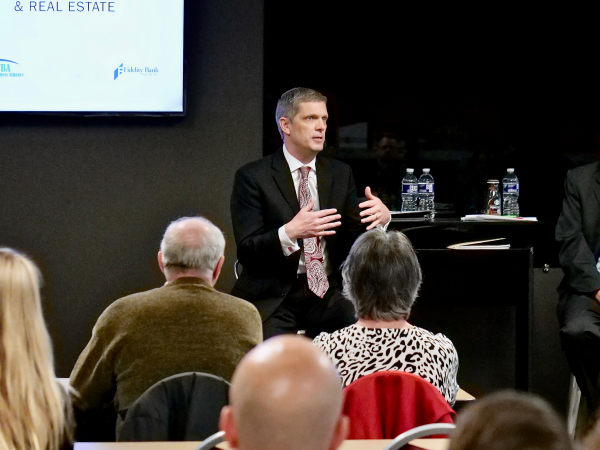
121, 70
6, 70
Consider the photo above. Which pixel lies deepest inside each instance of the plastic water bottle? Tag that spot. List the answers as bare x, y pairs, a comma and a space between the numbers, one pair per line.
426, 192
410, 191
510, 194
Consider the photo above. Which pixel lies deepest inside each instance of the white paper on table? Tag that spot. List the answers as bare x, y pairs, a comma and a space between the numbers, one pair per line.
493, 218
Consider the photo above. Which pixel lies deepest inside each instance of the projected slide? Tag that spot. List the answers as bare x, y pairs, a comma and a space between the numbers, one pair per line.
91, 56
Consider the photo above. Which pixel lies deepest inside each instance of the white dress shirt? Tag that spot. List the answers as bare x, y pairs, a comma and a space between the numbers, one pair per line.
289, 246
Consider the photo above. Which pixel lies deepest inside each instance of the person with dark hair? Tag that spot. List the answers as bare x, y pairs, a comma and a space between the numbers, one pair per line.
510, 420
183, 326
295, 216
381, 278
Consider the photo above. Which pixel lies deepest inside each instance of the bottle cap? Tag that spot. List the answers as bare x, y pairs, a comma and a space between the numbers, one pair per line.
410, 170
510, 170
425, 170
493, 181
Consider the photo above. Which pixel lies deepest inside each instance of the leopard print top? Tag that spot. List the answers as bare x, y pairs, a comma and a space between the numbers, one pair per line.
357, 351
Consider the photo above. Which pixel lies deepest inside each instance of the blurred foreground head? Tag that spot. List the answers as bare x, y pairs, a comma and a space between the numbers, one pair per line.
33, 410
510, 420
285, 394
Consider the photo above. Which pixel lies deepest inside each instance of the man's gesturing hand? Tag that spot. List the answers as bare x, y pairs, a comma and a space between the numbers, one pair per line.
376, 211
307, 223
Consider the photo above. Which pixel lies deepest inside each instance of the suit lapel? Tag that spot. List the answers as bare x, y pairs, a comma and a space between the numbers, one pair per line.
283, 178
324, 182
597, 182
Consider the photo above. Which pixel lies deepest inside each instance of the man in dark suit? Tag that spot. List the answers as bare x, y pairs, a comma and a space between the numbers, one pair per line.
295, 217
578, 233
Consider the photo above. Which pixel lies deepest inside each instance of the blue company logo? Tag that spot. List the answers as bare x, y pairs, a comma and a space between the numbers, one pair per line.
118, 71
138, 70
6, 71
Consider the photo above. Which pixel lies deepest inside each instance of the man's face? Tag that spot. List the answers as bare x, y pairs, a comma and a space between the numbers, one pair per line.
307, 129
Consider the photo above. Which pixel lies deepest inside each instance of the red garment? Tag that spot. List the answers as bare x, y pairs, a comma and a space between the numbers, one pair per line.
383, 405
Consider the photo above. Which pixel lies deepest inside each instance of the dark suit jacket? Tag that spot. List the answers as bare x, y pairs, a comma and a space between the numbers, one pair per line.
182, 407
578, 230
263, 200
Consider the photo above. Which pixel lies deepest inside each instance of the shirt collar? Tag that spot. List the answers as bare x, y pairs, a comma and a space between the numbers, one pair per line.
295, 164
188, 280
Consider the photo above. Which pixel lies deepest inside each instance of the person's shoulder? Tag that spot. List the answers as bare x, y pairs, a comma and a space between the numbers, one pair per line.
119, 311
235, 305
438, 338
233, 301
324, 337
257, 165
583, 171
333, 164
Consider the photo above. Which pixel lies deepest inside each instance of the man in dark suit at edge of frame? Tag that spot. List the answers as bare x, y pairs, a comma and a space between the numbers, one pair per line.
295, 217
578, 233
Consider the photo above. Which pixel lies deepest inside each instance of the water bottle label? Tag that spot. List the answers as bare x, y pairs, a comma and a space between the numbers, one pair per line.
511, 188
408, 188
425, 188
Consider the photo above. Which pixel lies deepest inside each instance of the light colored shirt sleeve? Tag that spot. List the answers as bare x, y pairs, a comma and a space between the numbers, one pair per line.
287, 245
385, 227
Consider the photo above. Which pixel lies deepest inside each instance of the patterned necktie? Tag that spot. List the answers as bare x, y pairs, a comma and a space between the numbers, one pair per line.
313, 255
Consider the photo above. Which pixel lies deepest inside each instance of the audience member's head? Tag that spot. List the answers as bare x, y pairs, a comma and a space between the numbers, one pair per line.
288, 104
510, 420
33, 410
285, 394
192, 247
382, 276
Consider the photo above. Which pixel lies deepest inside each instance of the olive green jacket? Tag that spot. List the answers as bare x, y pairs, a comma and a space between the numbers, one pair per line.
184, 326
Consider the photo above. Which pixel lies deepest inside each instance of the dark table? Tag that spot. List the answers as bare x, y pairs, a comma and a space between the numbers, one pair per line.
481, 299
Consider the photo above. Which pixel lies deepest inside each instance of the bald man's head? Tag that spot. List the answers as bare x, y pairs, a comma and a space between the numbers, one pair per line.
192, 246
285, 394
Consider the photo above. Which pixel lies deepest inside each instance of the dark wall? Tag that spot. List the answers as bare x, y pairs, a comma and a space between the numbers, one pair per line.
89, 198
468, 92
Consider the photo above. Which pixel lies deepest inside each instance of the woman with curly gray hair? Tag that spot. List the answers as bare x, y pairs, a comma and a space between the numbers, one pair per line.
381, 278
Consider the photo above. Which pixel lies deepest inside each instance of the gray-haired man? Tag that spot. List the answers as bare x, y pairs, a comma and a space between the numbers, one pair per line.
183, 326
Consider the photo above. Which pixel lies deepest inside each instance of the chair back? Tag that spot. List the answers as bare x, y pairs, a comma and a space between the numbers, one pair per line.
183, 407
419, 432
211, 441
385, 404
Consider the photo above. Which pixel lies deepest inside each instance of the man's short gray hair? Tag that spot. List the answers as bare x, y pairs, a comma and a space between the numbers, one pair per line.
287, 105
382, 276
196, 247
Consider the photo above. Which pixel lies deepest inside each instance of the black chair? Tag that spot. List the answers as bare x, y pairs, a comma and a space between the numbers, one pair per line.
183, 407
